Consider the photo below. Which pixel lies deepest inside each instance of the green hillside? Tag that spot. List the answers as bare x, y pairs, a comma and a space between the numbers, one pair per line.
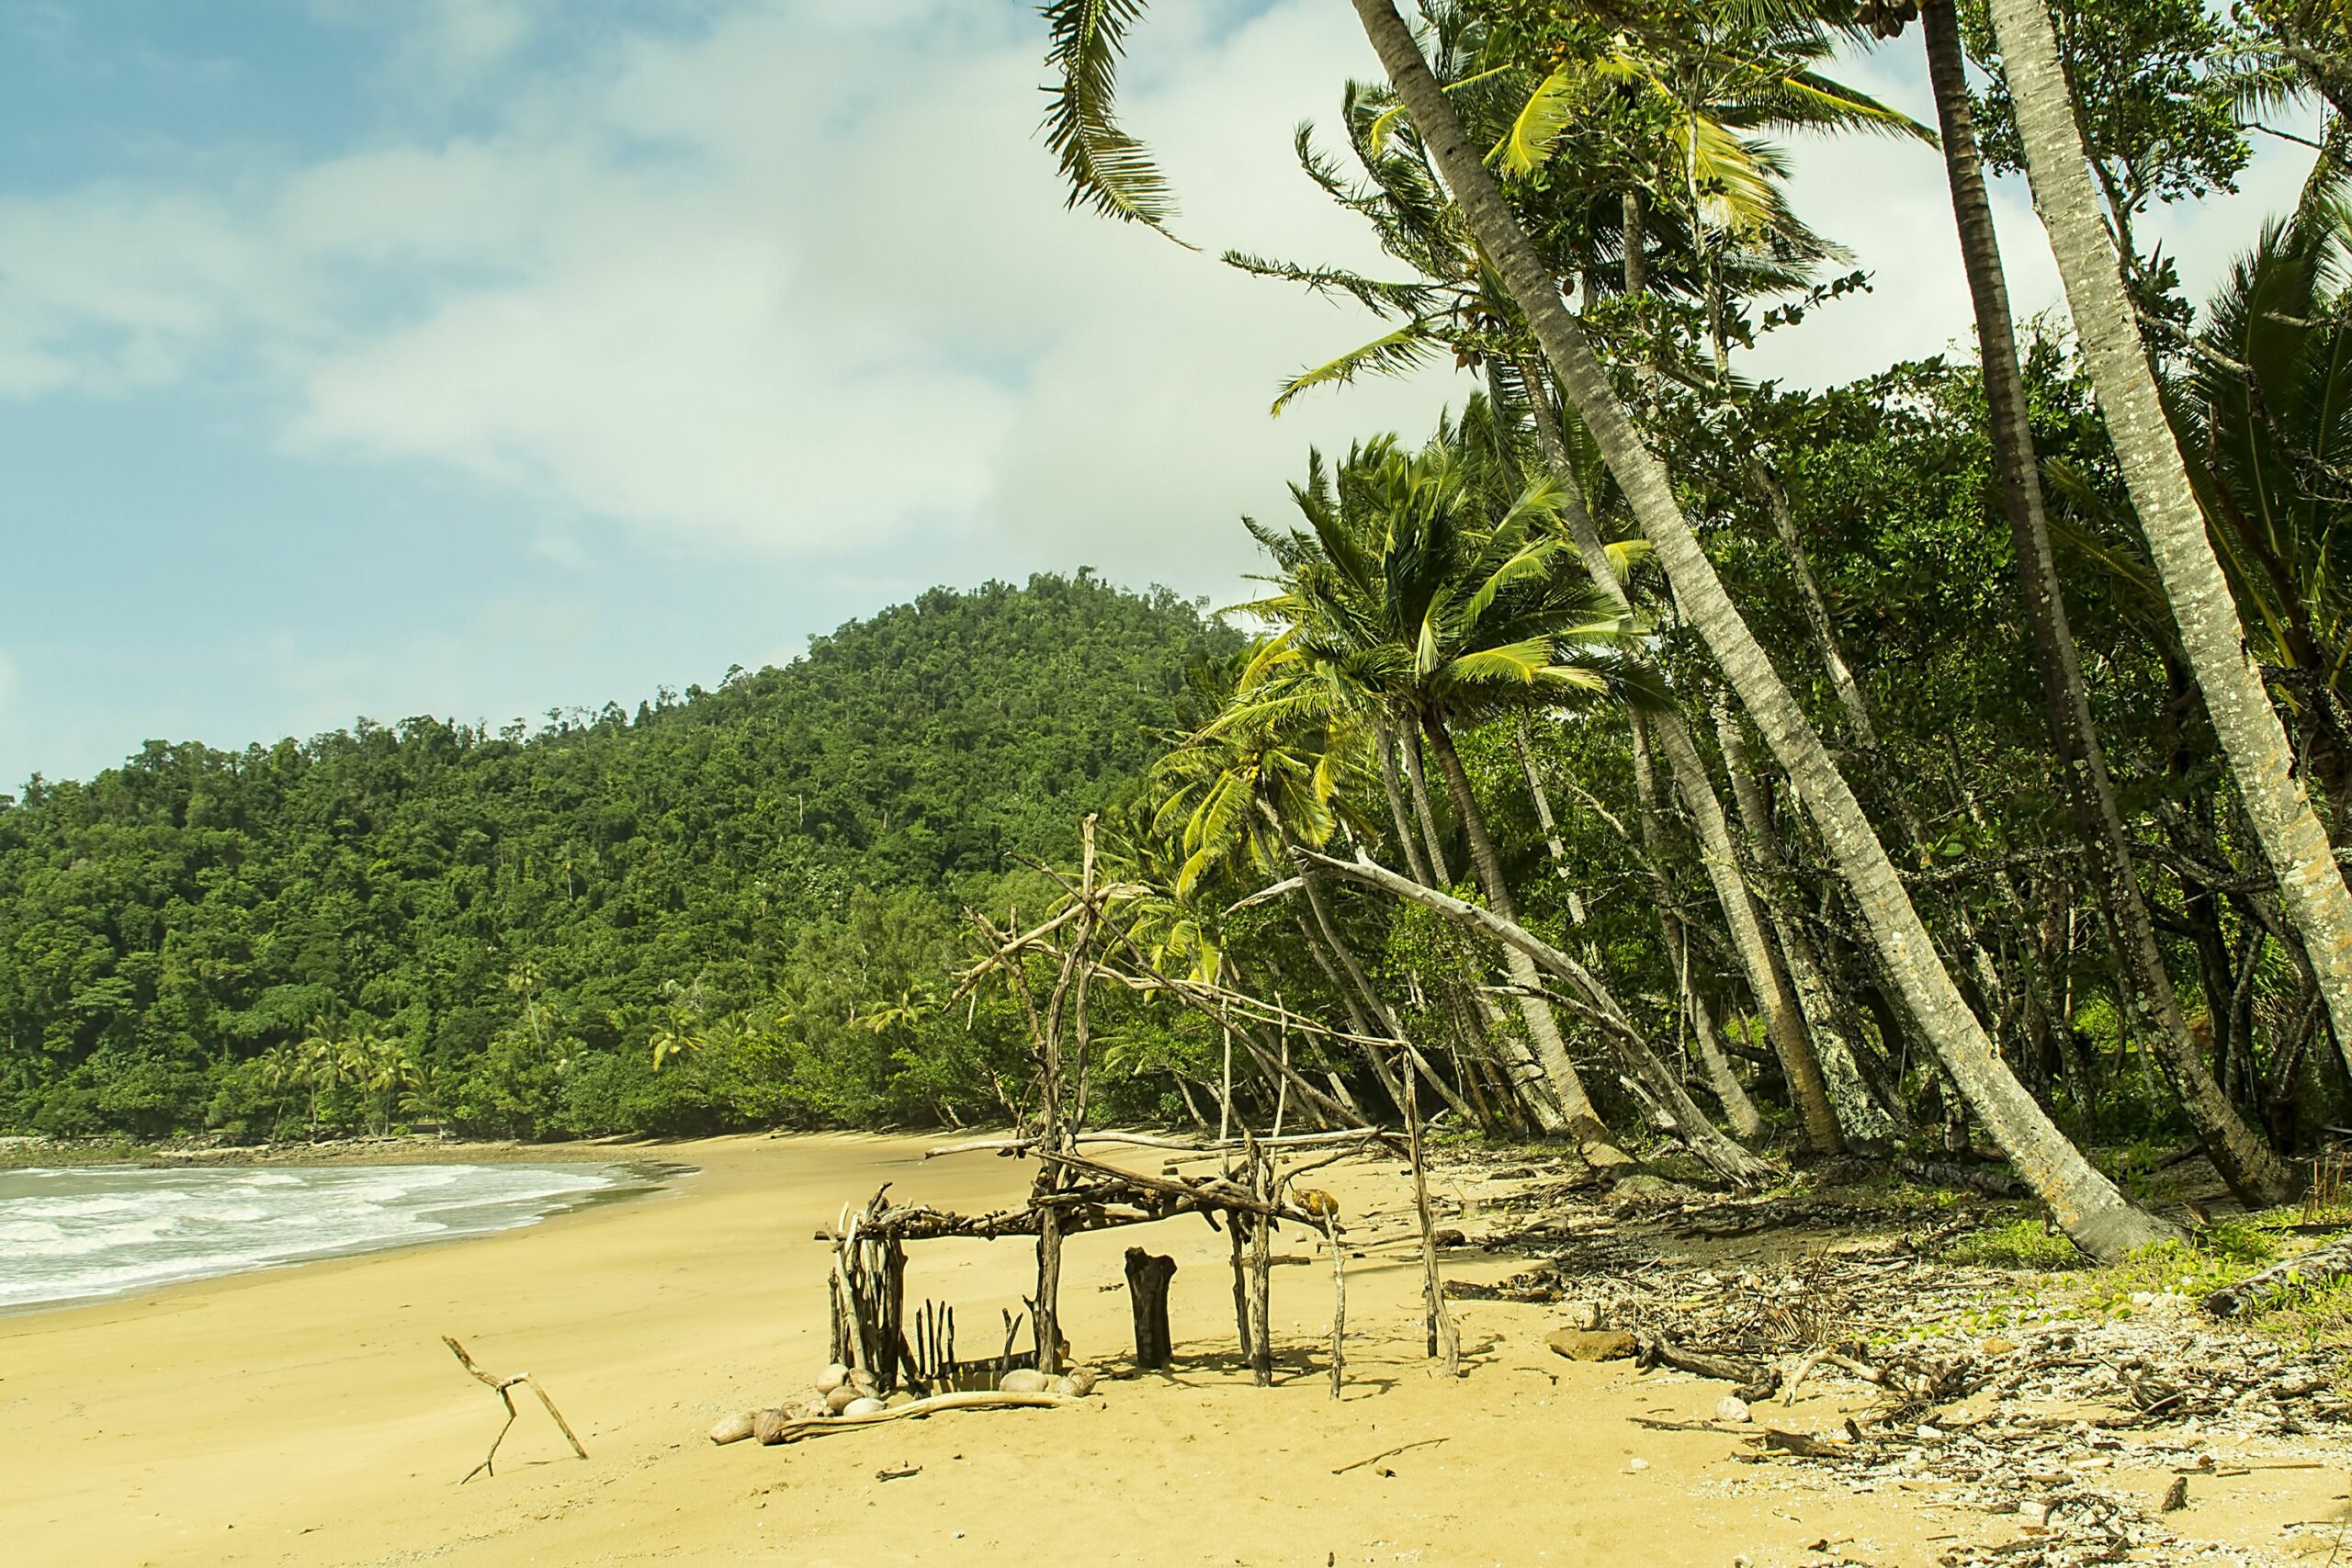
435, 922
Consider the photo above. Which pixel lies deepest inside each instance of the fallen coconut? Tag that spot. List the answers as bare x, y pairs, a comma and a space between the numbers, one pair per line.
866, 1383
732, 1428
839, 1400
831, 1378
1732, 1408
864, 1406
1024, 1379
1079, 1383
768, 1425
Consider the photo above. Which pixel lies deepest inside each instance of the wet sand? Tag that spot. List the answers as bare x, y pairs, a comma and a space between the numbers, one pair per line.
311, 1415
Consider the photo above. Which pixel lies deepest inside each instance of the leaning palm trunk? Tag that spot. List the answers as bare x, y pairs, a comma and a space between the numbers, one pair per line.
2244, 1161
1543, 1029
1857, 1114
1783, 1020
1643, 1069
1739, 1107
2089, 1207
2318, 906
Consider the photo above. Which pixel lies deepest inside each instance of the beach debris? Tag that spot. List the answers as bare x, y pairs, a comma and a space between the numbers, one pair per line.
504, 1389
773, 1426
1024, 1379
1389, 1453
732, 1428
1592, 1344
2319, 1267
1733, 1408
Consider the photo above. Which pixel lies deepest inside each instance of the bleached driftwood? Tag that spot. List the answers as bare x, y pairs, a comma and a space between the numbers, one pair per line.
777, 1427
504, 1388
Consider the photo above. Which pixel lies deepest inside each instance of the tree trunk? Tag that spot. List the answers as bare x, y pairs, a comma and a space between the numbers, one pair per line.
1543, 1029
2252, 1172
1739, 1107
1414, 773
2090, 1208
1857, 1114
1386, 740
1784, 1023
2211, 636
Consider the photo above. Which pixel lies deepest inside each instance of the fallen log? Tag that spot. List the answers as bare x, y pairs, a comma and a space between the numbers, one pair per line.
1755, 1384
2319, 1267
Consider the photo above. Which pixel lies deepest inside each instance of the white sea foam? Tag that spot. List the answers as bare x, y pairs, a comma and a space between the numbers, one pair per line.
71, 1234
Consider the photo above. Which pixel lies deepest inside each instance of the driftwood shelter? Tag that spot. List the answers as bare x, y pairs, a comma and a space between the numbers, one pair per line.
1049, 971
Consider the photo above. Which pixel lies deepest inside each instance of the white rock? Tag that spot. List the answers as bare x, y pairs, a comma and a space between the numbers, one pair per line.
1637, 1465
1731, 1408
865, 1407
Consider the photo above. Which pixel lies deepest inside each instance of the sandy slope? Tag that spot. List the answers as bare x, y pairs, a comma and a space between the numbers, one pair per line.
311, 1415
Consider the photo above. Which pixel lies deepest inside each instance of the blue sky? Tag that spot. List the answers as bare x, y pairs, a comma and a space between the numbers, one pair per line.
482, 357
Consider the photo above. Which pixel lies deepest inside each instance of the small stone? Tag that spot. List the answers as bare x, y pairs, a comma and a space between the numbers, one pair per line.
1732, 1408
2176, 1495
1637, 1465
1591, 1344
1024, 1379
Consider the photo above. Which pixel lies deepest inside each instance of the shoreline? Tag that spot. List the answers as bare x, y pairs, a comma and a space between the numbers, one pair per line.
311, 1414
32, 1152
631, 1180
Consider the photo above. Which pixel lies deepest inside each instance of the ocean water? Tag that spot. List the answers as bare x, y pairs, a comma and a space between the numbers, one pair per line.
73, 1235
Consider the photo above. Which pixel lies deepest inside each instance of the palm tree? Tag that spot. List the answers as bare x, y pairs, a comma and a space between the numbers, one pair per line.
1424, 590
1247, 791
317, 1063
2237, 1151
1458, 303
2317, 904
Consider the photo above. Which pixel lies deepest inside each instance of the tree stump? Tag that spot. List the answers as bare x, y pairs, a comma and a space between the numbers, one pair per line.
1147, 1277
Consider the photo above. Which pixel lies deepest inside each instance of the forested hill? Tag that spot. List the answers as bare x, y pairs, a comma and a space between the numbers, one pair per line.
438, 922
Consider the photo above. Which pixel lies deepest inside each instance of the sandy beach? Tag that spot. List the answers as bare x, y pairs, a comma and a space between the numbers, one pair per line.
312, 1415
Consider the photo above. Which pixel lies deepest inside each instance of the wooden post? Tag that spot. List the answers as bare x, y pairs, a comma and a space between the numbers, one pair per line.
1281, 1087
1262, 1270
1442, 1345
1147, 1279
1233, 1226
1339, 1293
1225, 1099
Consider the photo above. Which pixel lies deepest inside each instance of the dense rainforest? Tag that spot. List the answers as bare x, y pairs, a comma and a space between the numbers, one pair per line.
435, 923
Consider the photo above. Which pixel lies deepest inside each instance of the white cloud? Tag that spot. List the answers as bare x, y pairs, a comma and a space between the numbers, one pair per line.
799, 281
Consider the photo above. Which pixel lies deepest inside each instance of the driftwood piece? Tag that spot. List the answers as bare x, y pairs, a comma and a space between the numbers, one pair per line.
785, 1428
1149, 1275
1339, 1298
1755, 1384
2318, 1267
504, 1389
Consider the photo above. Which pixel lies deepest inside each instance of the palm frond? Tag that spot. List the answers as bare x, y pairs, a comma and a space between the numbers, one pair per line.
1107, 170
